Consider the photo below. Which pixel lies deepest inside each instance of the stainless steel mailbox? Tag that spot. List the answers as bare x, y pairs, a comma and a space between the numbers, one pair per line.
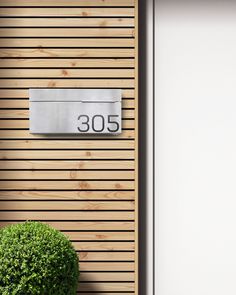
83, 111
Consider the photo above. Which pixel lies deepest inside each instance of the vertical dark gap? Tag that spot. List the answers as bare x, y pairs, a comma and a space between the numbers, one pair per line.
142, 147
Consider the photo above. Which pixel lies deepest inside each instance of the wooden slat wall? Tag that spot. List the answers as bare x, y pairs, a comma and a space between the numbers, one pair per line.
84, 186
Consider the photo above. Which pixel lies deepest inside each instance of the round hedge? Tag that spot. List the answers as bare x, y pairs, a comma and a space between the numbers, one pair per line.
36, 259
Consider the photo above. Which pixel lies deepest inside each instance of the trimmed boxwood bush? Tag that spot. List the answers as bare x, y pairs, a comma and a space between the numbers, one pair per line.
36, 259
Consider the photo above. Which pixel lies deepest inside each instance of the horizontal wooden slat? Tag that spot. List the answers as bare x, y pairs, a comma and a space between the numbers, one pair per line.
106, 256
104, 245
107, 266
89, 226
78, 154
67, 12
67, 63
24, 124
61, 32
66, 175
66, 165
103, 236
24, 93
66, 205
24, 114
101, 287
68, 42
66, 3
52, 83
22, 134
67, 195
66, 73
24, 103
63, 144
67, 52
66, 22
66, 185
107, 276
67, 215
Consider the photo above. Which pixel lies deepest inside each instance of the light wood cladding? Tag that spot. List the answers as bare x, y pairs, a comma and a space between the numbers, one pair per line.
85, 186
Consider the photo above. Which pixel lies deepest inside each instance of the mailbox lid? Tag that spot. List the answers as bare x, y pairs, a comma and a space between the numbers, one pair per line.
76, 95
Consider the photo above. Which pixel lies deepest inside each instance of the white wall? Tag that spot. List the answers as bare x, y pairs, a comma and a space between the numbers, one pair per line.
196, 147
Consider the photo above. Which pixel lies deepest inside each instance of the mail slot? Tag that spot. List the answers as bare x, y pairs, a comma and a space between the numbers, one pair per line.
78, 111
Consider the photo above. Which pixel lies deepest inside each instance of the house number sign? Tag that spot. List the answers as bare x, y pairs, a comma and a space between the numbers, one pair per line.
75, 111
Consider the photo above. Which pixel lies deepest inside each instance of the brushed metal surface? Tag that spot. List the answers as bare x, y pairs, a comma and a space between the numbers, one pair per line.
75, 111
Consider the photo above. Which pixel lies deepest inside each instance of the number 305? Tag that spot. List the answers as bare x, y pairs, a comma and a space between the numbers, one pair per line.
97, 123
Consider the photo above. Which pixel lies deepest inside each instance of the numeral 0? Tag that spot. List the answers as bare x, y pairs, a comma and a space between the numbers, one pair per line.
112, 124
94, 123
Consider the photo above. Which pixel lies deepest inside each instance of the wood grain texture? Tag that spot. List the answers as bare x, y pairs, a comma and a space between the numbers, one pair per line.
67, 52
66, 185
66, 205
65, 23
63, 144
40, 43
67, 73
84, 186
91, 226
67, 63
24, 124
70, 165
66, 3
113, 277
24, 114
24, 104
61, 32
77, 154
107, 266
24, 134
24, 93
66, 195
136, 212
127, 103
68, 215
66, 12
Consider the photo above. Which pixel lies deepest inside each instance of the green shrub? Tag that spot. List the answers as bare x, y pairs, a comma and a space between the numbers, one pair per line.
36, 259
